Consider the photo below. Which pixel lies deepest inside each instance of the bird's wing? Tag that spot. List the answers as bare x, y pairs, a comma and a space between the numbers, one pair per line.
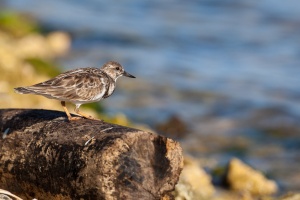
76, 85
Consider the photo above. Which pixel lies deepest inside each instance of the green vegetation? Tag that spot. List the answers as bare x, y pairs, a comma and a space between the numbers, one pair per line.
17, 24
44, 67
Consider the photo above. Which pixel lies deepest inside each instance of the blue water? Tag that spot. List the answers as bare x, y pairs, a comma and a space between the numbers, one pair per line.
194, 59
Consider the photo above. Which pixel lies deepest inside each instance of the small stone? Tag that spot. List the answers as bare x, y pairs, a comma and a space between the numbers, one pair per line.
242, 177
194, 182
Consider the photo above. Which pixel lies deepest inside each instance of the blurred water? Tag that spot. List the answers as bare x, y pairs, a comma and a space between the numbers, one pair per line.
211, 58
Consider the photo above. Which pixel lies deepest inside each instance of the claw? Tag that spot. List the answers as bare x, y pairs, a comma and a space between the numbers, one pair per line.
74, 118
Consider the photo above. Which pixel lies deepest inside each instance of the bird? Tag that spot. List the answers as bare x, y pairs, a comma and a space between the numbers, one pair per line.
79, 86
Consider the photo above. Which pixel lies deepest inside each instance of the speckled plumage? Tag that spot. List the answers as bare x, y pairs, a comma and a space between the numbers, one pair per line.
79, 86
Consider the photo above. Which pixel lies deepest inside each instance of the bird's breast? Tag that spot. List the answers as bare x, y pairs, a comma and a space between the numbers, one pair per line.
99, 95
110, 89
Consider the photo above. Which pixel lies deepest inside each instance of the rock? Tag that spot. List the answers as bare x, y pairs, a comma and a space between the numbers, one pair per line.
242, 177
36, 45
45, 156
174, 128
194, 182
59, 42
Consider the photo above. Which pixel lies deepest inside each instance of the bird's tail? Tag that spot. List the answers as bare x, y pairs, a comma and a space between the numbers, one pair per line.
23, 90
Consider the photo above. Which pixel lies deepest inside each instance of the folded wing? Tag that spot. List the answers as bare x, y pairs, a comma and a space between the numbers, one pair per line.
78, 85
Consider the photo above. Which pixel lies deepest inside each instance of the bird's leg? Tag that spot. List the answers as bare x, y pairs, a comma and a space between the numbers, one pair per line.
67, 112
82, 114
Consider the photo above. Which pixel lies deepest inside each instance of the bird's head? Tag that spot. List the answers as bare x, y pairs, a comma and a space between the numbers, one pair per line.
115, 70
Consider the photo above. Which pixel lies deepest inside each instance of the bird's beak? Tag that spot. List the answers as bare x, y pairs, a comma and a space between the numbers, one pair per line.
128, 75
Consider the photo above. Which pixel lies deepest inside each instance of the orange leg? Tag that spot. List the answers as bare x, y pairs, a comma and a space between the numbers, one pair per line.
82, 114
67, 112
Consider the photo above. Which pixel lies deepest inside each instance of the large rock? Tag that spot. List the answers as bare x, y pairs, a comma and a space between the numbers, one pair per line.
43, 155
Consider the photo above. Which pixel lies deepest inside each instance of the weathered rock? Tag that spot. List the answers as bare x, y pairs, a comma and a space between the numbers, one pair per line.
241, 177
194, 182
43, 155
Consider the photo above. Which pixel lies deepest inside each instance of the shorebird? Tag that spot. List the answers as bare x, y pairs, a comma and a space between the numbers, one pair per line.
79, 86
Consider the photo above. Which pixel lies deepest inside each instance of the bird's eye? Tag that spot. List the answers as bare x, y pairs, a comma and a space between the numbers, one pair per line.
117, 68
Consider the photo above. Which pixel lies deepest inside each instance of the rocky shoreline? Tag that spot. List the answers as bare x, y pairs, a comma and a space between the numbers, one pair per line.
26, 57
239, 181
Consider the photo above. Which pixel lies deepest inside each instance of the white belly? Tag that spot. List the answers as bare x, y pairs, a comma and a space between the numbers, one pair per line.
99, 96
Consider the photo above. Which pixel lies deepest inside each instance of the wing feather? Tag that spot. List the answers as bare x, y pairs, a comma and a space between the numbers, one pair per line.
76, 85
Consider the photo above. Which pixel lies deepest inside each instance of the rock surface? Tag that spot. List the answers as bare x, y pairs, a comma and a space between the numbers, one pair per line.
45, 156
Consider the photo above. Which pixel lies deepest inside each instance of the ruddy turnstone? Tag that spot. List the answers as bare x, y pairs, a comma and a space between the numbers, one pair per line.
79, 86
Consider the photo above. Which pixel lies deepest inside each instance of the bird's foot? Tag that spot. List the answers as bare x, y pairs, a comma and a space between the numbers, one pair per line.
86, 116
74, 118
92, 118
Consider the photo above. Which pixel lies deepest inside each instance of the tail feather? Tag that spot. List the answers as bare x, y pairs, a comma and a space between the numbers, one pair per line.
23, 90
